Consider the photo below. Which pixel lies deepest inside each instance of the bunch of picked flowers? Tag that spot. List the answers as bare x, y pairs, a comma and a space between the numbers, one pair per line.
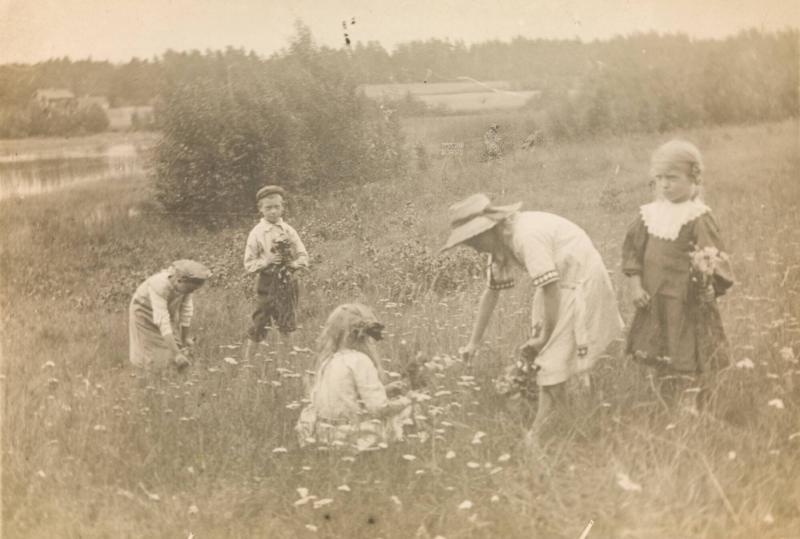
705, 263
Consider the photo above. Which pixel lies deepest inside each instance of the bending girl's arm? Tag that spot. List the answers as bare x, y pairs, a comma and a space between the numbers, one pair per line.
485, 309
552, 302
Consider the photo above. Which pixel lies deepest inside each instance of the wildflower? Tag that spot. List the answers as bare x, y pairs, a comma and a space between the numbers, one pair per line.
625, 483
787, 354
230, 361
465, 505
477, 438
777, 403
746, 363
151, 495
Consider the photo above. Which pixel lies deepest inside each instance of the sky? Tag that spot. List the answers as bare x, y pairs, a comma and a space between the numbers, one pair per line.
117, 30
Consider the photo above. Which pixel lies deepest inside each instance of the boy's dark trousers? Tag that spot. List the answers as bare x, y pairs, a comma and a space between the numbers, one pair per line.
276, 303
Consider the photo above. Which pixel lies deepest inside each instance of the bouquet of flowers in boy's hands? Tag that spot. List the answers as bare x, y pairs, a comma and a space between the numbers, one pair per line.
709, 269
282, 248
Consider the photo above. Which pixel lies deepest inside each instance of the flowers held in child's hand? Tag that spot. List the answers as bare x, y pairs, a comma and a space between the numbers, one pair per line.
706, 260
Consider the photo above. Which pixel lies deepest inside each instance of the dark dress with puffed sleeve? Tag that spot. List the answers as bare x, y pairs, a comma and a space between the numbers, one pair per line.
681, 328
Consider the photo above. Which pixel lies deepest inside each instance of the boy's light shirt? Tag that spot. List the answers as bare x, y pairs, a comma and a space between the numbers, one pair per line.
258, 250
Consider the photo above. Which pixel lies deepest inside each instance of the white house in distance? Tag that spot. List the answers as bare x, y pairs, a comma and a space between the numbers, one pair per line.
55, 99
119, 118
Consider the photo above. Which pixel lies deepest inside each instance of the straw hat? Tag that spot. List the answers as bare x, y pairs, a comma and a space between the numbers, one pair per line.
474, 215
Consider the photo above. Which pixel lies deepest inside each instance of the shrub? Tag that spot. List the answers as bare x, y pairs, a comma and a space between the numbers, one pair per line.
233, 122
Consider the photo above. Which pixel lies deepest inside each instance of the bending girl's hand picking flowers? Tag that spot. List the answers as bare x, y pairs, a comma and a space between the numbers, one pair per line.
534, 345
467, 352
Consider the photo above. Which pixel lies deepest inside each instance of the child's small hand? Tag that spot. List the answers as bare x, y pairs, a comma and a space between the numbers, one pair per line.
396, 388
181, 361
640, 297
467, 353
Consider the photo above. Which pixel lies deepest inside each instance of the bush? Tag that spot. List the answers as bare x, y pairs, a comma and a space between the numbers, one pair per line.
234, 122
225, 133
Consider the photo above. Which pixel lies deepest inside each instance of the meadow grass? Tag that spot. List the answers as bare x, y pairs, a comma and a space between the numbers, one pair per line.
92, 448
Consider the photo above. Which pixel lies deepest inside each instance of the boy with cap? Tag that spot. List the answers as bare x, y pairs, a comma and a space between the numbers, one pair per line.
274, 251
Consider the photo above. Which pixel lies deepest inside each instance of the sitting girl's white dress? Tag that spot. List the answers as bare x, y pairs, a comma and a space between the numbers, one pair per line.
349, 406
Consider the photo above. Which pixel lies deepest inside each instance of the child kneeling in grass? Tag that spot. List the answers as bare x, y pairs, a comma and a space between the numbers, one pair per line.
350, 405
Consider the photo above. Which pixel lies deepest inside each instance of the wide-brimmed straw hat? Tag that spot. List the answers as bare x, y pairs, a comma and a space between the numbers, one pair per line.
474, 215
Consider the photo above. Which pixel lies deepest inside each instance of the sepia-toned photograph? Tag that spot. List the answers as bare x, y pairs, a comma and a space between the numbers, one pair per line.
400, 269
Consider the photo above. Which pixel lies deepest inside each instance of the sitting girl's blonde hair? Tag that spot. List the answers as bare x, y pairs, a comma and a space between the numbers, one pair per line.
350, 326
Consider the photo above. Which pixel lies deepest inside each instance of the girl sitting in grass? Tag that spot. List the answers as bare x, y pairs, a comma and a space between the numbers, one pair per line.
350, 405
676, 266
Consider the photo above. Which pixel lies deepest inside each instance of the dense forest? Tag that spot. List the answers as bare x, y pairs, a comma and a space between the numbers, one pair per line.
639, 82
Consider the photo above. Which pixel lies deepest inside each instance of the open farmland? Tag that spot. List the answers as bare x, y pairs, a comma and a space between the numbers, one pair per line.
467, 96
93, 449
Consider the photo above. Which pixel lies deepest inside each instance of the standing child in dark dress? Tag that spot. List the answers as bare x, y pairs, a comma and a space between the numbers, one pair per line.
676, 266
274, 251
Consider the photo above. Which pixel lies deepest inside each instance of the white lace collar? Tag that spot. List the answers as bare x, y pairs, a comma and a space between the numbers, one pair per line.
664, 219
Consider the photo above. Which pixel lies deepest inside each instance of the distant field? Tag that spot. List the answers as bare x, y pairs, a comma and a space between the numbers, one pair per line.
470, 96
432, 88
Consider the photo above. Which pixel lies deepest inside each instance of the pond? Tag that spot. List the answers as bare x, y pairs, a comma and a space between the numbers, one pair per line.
28, 174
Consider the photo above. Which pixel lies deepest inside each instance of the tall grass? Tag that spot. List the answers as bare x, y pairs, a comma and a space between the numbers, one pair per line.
92, 448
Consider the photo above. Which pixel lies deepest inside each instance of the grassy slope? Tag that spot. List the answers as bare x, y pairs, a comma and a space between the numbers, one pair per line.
85, 439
